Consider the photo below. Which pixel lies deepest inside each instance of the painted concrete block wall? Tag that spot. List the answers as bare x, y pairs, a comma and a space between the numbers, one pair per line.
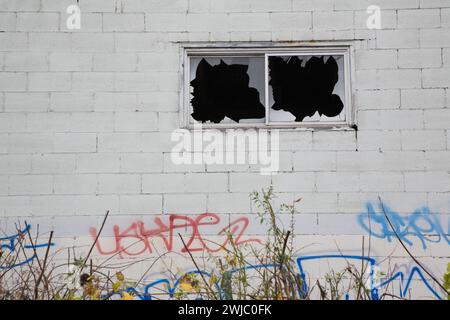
86, 117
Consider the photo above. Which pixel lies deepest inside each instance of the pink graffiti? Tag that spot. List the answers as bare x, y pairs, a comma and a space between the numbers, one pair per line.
194, 240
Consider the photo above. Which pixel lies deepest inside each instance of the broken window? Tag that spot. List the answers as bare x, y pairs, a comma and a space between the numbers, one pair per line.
268, 87
227, 89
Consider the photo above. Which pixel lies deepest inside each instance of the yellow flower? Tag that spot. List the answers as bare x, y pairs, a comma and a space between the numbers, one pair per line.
213, 280
127, 296
120, 276
186, 286
116, 286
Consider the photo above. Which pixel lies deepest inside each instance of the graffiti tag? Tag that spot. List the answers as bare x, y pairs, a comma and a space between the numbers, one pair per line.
421, 224
166, 231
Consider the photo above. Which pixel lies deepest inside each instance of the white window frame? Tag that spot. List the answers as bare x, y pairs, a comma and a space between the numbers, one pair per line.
266, 50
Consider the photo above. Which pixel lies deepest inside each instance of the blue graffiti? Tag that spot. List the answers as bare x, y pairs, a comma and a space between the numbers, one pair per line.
171, 289
405, 279
11, 243
371, 261
420, 224
404, 288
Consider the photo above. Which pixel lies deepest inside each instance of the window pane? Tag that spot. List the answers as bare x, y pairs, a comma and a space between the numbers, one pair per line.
227, 89
306, 88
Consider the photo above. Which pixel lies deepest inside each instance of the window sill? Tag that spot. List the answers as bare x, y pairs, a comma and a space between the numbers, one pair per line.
284, 127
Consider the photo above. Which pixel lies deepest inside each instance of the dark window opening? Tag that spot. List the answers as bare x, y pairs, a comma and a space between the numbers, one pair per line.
223, 91
305, 89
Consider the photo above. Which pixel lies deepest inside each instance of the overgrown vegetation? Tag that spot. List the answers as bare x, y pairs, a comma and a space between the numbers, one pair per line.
35, 277
267, 272
447, 281
247, 272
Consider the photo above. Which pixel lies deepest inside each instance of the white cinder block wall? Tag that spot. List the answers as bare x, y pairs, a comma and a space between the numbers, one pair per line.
86, 117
